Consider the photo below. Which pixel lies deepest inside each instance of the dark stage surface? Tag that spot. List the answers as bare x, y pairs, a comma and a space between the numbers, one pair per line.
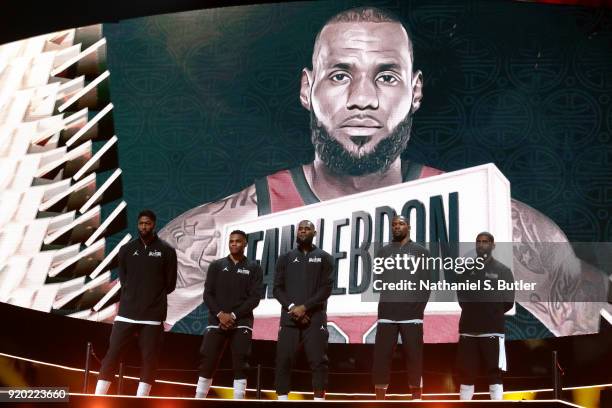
49, 350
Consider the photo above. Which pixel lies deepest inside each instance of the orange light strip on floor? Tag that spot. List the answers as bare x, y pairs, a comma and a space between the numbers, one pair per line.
295, 392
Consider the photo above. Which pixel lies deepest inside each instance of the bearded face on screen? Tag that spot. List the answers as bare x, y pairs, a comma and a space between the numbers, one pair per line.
364, 158
361, 93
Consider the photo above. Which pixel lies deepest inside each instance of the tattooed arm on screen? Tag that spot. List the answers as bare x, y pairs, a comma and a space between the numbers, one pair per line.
542, 254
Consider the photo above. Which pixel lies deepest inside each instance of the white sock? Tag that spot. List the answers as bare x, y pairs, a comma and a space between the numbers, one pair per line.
283, 397
496, 391
143, 389
466, 392
203, 387
240, 388
319, 398
102, 387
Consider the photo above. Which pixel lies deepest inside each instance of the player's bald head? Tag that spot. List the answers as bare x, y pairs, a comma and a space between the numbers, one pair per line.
359, 15
306, 223
305, 233
401, 218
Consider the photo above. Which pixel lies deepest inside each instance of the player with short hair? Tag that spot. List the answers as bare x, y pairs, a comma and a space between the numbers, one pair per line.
232, 290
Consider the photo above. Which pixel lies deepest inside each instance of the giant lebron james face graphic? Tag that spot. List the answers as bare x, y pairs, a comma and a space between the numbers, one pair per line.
361, 94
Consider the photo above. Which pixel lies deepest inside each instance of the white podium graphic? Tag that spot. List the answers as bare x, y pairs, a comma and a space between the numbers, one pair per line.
452, 207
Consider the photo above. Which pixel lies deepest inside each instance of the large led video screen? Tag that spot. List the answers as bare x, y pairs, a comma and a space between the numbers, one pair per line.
465, 116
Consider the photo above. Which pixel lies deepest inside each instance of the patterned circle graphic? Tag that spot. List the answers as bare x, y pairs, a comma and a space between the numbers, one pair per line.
147, 180
465, 156
137, 76
177, 122
206, 174
593, 66
580, 223
130, 118
429, 20
536, 63
569, 118
443, 126
277, 74
536, 174
244, 123
478, 62
593, 185
267, 160
502, 119
211, 69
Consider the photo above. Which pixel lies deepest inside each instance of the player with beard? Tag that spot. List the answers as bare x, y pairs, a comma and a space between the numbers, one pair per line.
400, 312
361, 94
302, 284
147, 273
481, 327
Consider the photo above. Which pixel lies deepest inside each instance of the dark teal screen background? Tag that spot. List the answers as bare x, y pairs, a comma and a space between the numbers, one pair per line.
207, 101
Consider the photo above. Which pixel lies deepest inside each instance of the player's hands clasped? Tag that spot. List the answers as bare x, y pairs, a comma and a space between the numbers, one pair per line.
226, 321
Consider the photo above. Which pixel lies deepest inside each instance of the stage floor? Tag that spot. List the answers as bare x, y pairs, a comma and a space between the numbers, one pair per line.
88, 401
